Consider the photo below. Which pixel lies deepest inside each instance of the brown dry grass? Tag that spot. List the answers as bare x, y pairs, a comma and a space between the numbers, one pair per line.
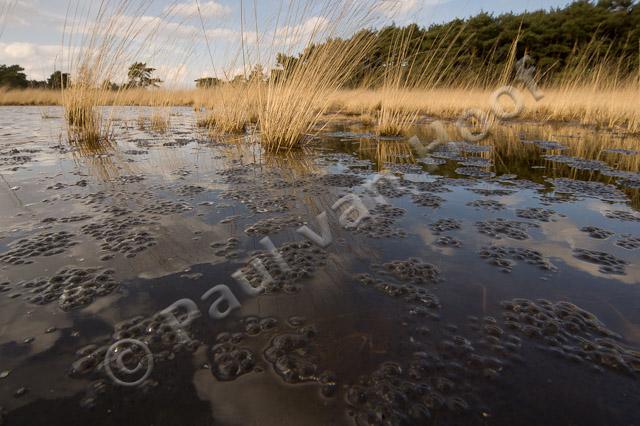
614, 108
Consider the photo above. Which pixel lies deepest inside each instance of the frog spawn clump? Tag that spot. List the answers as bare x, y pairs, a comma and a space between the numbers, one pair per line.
273, 225
486, 205
509, 228
302, 259
379, 224
427, 200
166, 207
497, 341
289, 355
444, 225
434, 186
72, 287
597, 233
622, 215
342, 180
536, 213
292, 356
431, 385
391, 189
44, 244
423, 302
474, 172
578, 163
504, 257
609, 264
568, 331
227, 248
448, 241
492, 192
629, 242
255, 325
229, 360
190, 190
588, 189
68, 219
547, 145
413, 270
120, 235
259, 201
156, 332
475, 162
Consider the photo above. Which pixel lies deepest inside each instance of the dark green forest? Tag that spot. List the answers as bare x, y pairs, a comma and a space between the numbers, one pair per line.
581, 35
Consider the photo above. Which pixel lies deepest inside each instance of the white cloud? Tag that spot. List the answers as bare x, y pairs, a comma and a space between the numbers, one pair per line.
401, 8
26, 12
311, 30
224, 34
39, 61
208, 9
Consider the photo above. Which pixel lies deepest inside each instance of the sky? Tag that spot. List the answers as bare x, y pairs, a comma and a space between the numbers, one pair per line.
46, 35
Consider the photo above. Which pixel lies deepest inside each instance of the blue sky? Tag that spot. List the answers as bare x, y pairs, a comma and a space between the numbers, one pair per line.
33, 29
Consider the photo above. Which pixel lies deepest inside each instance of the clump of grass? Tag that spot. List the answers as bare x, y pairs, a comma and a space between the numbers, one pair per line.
111, 33
160, 122
85, 124
403, 74
232, 111
290, 104
141, 121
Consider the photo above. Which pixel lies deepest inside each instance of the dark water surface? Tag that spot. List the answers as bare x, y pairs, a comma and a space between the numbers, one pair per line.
491, 284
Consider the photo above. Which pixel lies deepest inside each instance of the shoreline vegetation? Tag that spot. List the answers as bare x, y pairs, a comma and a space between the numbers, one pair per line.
613, 109
326, 58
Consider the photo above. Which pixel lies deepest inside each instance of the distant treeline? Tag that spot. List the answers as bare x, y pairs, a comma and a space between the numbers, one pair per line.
14, 77
583, 34
563, 42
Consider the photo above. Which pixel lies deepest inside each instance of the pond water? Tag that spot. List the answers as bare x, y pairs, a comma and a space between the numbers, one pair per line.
490, 283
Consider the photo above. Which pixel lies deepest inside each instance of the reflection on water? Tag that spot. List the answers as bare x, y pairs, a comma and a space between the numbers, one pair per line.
491, 283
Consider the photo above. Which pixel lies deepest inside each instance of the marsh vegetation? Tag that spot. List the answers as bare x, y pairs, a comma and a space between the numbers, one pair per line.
492, 282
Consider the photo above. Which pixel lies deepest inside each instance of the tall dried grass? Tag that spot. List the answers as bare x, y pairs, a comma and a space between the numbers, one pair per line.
292, 102
403, 74
102, 39
612, 108
227, 109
